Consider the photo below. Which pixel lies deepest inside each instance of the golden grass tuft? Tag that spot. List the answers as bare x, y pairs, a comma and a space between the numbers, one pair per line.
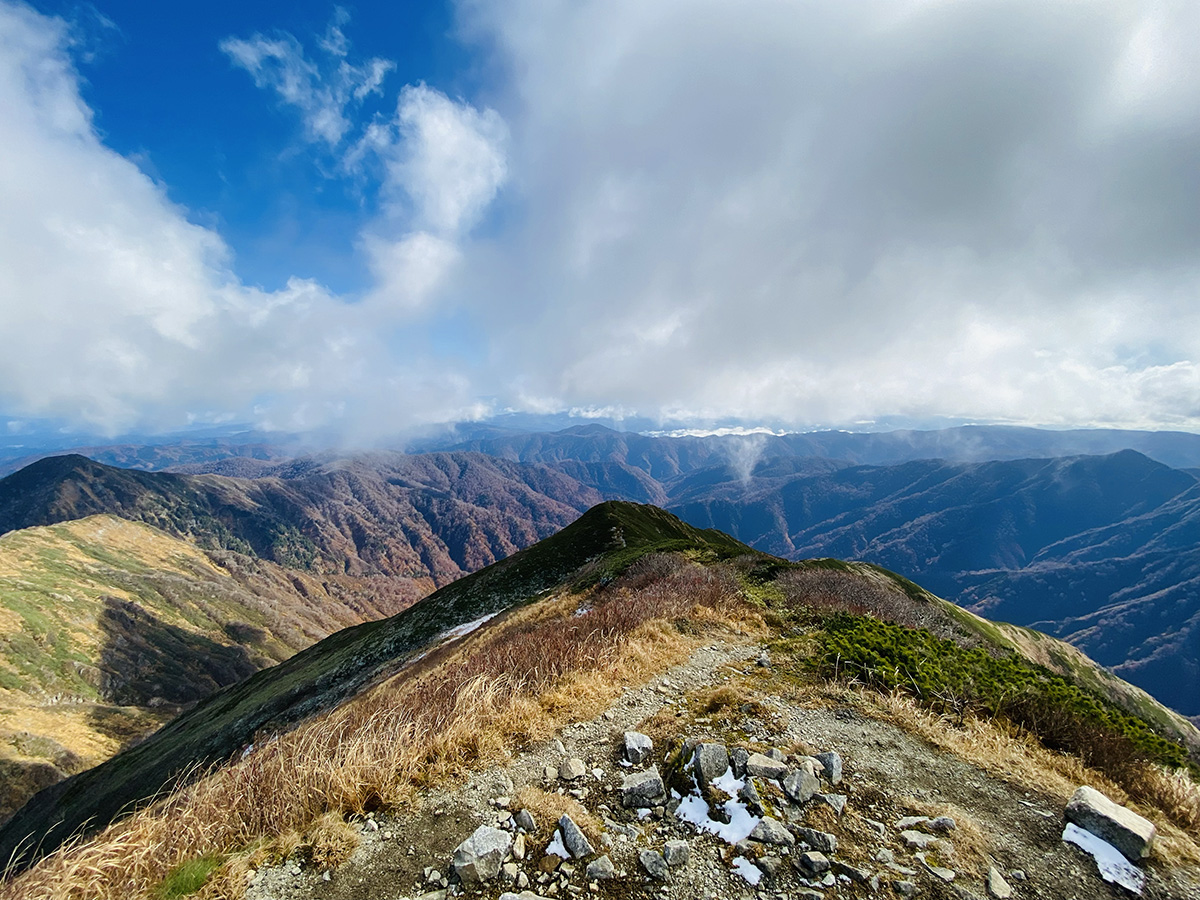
548, 807
503, 686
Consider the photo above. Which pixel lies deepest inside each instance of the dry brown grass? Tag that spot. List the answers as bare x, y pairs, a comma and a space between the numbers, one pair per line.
970, 849
1020, 758
547, 808
503, 686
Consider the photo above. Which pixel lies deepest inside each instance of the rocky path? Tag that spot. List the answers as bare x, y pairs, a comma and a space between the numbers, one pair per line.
903, 818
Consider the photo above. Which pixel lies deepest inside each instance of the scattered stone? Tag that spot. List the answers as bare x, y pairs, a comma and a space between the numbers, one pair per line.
771, 865
749, 796
654, 864
737, 761
817, 840
911, 821
677, 853
638, 747
600, 869
858, 876
905, 888
525, 821
518, 847
558, 747
776, 754
524, 895
832, 763
811, 863
764, 767
574, 839
549, 773
808, 894
996, 885
764, 661
1111, 822
837, 801
917, 840
943, 825
710, 762
771, 831
641, 789
801, 784
941, 872
509, 871
1017, 875
572, 769
479, 857
885, 856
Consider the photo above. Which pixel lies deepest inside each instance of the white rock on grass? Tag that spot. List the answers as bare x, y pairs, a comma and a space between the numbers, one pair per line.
479, 857
996, 885
770, 831
764, 767
572, 769
641, 789
1111, 822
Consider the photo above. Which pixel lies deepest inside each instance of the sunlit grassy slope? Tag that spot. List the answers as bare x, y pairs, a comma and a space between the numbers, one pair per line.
110, 627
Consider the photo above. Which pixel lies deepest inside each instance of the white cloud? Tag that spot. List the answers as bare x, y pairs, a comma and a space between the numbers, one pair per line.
321, 91
827, 212
118, 312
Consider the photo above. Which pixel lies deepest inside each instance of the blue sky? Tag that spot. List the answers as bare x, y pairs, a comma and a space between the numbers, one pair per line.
370, 218
166, 96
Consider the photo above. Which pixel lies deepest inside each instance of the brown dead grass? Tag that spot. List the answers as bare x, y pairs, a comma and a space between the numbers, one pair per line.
970, 848
547, 808
504, 686
1020, 758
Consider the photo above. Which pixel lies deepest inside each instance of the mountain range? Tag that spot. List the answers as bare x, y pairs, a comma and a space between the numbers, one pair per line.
1099, 550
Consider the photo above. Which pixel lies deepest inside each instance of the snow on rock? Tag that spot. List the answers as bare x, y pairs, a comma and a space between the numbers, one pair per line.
1113, 865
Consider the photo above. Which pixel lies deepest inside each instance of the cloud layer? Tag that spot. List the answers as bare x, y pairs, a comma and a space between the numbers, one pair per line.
817, 213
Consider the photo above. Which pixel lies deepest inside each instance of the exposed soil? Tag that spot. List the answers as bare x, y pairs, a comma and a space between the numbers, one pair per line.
888, 774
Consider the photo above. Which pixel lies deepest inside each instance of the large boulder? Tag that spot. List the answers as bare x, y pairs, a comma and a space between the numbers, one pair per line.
479, 857
1111, 822
710, 763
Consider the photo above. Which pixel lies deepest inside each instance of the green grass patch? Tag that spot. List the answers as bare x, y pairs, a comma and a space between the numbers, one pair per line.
188, 877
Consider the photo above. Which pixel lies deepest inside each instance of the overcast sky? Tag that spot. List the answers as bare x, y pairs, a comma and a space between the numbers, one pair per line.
798, 213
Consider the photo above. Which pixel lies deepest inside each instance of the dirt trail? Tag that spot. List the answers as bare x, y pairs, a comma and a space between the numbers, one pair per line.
888, 773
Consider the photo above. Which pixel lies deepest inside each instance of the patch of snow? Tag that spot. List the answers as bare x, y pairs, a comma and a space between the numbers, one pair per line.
748, 870
557, 847
1113, 866
695, 810
466, 627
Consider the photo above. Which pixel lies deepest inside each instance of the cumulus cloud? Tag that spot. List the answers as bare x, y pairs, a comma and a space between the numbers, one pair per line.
119, 312
816, 213
826, 212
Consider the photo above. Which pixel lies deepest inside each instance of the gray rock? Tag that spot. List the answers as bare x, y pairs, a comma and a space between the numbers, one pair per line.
710, 763
524, 895
640, 789
910, 821
832, 763
479, 857
801, 785
749, 795
654, 864
574, 839
941, 872
837, 801
601, 868
943, 825
510, 871
638, 747
572, 769
808, 894
771, 865
737, 761
771, 831
1121, 827
817, 840
776, 754
525, 821
917, 840
858, 876
764, 767
811, 863
996, 885
905, 888
677, 853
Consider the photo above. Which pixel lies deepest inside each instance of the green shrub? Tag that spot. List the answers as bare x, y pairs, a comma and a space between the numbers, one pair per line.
188, 877
951, 679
